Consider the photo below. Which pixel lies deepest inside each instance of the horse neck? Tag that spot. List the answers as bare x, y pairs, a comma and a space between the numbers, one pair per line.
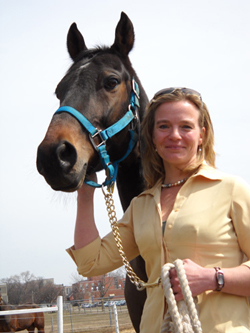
130, 182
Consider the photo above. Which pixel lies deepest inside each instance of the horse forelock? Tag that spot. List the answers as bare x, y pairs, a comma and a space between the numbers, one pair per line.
90, 53
86, 56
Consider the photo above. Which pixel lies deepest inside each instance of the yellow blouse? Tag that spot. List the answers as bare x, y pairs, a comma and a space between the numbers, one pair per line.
209, 224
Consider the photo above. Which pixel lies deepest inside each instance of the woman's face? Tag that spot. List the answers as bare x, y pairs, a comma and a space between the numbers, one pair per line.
176, 133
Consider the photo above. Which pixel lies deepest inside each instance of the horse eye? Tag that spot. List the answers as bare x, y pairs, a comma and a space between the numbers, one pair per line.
111, 83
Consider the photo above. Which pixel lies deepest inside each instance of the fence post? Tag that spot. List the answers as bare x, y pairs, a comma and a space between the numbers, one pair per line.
52, 326
110, 316
71, 318
116, 318
60, 314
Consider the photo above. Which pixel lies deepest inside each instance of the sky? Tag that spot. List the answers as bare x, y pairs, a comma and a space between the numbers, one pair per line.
200, 44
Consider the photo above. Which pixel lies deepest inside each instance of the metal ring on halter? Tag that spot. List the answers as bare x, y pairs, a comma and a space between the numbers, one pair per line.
99, 136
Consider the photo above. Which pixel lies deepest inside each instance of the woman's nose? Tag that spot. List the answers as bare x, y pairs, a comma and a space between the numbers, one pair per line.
174, 134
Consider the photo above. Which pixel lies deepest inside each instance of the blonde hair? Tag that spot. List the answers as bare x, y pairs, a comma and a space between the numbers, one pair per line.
153, 168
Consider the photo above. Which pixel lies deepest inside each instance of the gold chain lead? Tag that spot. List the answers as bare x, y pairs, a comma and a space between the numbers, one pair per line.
140, 285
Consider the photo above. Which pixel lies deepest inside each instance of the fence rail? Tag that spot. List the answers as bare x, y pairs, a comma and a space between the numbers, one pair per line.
12, 312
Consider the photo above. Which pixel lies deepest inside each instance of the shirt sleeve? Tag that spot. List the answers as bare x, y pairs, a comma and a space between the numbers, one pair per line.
241, 216
102, 255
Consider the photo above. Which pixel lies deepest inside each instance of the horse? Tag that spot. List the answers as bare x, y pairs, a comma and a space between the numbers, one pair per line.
20, 322
98, 94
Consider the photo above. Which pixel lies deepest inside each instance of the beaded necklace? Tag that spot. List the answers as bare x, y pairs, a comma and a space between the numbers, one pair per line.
182, 181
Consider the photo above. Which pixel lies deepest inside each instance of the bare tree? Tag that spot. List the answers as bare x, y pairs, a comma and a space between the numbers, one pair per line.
104, 284
75, 277
119, 273
47, 292
26, 288
17, 288
78, 291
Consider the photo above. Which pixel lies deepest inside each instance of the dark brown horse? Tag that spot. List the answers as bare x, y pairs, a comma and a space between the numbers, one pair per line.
98, 91
20, 322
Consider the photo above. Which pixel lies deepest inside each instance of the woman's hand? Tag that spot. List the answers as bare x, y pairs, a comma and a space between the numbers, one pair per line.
199, 279
86, 191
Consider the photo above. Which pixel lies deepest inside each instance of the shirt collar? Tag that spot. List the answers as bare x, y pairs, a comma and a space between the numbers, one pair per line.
209, 172
205, 171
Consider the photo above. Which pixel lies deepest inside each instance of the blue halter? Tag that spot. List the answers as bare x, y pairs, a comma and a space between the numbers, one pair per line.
111, 168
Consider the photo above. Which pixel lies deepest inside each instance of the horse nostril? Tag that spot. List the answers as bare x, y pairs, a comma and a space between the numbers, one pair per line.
67, 155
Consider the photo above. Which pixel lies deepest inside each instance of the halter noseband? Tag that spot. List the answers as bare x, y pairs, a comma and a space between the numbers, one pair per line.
111, 168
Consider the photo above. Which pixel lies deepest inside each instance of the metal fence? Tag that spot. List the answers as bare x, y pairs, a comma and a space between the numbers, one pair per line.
64, 318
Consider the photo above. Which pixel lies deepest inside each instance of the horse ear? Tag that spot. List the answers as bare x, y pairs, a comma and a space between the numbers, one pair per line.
75, 41
124, 35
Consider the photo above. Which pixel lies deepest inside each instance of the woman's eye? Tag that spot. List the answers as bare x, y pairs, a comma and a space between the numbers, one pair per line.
187, 127
111, 83
163, 126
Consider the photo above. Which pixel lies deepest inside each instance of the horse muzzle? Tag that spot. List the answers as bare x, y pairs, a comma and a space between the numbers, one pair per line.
61, 166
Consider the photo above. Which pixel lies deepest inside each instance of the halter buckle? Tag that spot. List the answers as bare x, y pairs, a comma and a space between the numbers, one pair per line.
135, 88
97, 136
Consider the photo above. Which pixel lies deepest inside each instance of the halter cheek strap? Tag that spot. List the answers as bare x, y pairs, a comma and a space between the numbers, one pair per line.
96, 135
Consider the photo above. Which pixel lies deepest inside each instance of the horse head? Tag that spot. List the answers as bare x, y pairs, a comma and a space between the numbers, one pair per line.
98, 88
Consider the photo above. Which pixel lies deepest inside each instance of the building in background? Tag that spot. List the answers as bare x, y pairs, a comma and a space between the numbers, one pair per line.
3, 292
98, 287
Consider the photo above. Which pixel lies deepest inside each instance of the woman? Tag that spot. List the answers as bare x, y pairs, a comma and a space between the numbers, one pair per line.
190, 211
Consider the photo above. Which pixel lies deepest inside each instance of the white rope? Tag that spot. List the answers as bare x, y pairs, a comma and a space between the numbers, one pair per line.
181, 317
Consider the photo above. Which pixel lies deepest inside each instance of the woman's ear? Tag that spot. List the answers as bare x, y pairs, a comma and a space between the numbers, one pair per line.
202, 134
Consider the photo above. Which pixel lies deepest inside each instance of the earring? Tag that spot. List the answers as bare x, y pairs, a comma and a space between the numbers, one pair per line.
200, 149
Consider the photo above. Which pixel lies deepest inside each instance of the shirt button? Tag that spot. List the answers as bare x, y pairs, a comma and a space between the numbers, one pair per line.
170, 226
